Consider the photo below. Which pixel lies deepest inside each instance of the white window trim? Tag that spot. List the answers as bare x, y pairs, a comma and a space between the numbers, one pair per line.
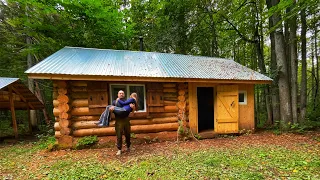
245, 98
127, 94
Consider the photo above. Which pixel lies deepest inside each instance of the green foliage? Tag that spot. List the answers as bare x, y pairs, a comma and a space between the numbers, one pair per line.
183, 132
86, 141
53, 24
197, 136
133, 135
277, 132
317, 138
47, 142
299, 128
314, 115
6, 123
245, 131
229, 29
149, 140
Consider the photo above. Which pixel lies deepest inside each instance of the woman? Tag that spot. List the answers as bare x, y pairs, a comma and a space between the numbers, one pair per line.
125, 109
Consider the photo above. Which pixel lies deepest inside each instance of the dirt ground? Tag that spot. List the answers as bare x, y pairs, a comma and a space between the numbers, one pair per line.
149, 145
166, 143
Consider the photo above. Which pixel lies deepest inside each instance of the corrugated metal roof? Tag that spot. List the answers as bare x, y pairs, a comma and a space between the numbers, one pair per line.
20, 89
5, 81
106, 62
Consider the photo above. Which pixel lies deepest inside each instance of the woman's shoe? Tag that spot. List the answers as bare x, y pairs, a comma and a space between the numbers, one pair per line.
100, 125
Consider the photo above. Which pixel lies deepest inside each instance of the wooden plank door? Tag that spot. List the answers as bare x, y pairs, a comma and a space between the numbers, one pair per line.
227, 109
97, 96
155, 97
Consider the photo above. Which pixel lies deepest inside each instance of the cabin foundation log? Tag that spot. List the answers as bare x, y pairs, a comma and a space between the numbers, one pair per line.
91, 124
107, 131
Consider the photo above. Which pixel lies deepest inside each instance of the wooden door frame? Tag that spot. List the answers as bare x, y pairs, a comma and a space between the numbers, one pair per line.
193, 104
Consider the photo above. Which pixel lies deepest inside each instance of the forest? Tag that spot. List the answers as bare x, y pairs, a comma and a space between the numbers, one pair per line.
279, 39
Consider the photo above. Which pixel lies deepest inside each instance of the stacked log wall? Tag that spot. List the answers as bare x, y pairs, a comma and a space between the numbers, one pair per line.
62, 108
183, 104
84, 114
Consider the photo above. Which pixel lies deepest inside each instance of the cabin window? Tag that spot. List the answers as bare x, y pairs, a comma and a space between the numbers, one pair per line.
243, 97
128, 89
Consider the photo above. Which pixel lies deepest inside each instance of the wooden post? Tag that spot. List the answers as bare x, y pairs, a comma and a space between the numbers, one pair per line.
193, 107
29, 120
13, 113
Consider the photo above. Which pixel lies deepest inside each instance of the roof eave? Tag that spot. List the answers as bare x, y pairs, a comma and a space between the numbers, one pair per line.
140, 79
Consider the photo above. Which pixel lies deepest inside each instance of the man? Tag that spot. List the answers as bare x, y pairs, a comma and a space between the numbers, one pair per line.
122, 124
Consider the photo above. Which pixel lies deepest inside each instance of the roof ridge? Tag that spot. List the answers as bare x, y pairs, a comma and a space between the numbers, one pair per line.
124, 50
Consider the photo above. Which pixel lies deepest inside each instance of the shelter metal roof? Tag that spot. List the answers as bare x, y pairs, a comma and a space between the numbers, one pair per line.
106, 62
5, 81
25, 96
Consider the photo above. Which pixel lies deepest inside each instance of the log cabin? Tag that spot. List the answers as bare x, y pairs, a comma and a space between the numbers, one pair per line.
201, 93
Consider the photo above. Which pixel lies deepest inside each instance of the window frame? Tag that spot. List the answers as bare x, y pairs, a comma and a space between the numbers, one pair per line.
245, 102
127, 86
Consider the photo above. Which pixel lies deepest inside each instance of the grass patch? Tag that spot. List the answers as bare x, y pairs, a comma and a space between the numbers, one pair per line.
47, 142
23, 161
243, 163
87, 141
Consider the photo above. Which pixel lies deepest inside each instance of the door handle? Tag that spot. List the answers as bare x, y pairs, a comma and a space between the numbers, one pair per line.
232, 104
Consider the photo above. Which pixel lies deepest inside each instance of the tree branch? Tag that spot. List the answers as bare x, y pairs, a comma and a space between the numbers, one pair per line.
245, 3
238, 32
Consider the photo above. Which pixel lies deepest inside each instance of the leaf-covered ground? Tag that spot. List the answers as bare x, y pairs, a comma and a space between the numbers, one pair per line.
261, 155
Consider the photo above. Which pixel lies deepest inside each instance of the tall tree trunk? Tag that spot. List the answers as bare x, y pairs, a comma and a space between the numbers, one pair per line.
214, 42
234, 51
313, 80
40, 97
287, 46
294, 69
257, 105
238, 52
266, 89
284, 89
317, 65
303, 93
274, 86
273, 94
33, 116
246, 53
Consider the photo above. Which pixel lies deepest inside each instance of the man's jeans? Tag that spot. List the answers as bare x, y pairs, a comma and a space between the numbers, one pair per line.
105, 116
